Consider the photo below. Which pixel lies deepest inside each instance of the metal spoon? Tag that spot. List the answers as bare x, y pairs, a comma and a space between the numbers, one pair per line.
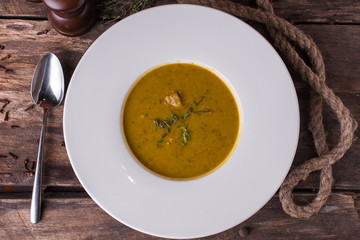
47, 91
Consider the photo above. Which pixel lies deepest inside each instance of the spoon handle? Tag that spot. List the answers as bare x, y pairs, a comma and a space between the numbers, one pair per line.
35, 209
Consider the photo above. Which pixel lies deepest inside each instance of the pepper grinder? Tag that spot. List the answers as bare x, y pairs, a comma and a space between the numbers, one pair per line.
71, 17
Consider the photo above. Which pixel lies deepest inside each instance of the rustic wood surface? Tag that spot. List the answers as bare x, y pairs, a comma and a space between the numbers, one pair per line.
65, 211
25, 35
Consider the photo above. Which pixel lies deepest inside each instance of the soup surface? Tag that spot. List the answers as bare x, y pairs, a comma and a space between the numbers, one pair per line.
181, 121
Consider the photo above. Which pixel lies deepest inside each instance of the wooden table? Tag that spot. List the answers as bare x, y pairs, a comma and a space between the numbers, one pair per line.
69, 213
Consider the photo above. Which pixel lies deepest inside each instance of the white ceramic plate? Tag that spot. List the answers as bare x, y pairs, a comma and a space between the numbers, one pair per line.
181, 209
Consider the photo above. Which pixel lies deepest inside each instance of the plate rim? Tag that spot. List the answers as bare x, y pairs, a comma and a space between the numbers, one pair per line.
240, 110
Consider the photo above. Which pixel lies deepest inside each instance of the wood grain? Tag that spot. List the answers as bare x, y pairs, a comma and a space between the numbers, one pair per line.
62, 212
321, 11
22, 141
24, 47
14, 8
25, 35
339, 45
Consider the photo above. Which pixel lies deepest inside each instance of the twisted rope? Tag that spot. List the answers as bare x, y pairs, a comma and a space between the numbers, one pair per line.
283, 34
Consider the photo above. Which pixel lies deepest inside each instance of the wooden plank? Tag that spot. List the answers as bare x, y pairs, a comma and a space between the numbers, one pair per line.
24, 47
339, 47
19, 135
326, 224
59, 172
338, 219
14, 8
338, 43
25, 41
25, 9
357, 204
322, 11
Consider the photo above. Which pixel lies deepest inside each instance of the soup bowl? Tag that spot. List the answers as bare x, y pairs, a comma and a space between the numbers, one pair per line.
207, 205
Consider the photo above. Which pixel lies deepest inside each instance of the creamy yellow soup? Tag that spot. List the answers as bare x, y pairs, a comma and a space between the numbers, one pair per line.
181, 121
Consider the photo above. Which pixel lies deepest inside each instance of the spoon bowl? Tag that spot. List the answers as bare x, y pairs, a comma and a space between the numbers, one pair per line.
47, 91
47, 87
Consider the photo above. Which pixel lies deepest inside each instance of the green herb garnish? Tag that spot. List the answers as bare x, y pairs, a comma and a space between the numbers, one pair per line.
202, 111
157, 122
188, 113
166, 133
186, 135
175, 117
196, 103
162, 124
